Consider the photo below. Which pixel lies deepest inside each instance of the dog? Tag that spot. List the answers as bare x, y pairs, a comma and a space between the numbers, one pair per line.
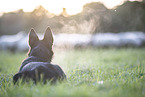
37, 67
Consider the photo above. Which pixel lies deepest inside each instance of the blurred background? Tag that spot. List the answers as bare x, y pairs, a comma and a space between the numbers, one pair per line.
75, 23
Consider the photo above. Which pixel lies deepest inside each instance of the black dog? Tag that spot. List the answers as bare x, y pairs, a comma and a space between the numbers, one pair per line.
37, 66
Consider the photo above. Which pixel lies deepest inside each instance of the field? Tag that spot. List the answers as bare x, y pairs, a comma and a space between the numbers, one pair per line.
90, 73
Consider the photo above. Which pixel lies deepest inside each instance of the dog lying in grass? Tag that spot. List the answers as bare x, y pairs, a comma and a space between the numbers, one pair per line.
37, 66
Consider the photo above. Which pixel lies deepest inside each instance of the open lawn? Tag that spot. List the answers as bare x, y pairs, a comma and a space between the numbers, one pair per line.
90, 73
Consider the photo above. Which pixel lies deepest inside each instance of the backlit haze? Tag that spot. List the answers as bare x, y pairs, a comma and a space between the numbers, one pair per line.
53, 6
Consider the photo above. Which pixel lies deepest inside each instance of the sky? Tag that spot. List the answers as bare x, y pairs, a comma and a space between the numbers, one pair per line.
53, 6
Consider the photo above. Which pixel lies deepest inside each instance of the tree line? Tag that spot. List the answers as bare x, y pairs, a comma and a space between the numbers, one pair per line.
130, 16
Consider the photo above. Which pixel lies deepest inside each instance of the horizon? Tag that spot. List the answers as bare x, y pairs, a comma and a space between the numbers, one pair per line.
72, 6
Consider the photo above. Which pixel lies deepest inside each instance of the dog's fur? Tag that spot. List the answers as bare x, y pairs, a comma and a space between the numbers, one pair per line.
37, 66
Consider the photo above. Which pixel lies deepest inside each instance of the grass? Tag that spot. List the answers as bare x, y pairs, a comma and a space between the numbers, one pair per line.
90, 73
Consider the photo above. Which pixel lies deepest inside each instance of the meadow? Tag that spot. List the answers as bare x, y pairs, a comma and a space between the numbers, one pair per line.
90, 73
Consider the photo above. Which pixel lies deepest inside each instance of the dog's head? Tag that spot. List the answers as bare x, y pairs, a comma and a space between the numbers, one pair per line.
41, 48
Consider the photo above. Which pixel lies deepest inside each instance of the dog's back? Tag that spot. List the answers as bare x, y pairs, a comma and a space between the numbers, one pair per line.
37, 66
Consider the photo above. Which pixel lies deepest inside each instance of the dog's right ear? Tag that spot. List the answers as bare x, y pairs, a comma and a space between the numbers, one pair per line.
48, 37
32, 37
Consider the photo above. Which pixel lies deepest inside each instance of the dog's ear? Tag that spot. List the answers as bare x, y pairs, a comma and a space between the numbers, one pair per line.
48, 37
16, 77
32, 37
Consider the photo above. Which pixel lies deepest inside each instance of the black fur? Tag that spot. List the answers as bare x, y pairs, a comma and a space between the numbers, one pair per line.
37, 66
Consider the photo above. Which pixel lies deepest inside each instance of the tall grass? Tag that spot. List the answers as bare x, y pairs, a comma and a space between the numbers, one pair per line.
90, 72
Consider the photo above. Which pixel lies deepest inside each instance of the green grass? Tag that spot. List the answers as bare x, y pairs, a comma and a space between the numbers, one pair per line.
122, 72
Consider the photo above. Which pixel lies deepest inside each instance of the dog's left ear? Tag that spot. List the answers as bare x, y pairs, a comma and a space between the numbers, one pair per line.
48, 37
33, 38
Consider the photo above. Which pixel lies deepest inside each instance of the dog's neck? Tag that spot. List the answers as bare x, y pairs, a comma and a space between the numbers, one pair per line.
32, 59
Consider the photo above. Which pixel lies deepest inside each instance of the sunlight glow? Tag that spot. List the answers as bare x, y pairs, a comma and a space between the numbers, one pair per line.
111, 3
53, 6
